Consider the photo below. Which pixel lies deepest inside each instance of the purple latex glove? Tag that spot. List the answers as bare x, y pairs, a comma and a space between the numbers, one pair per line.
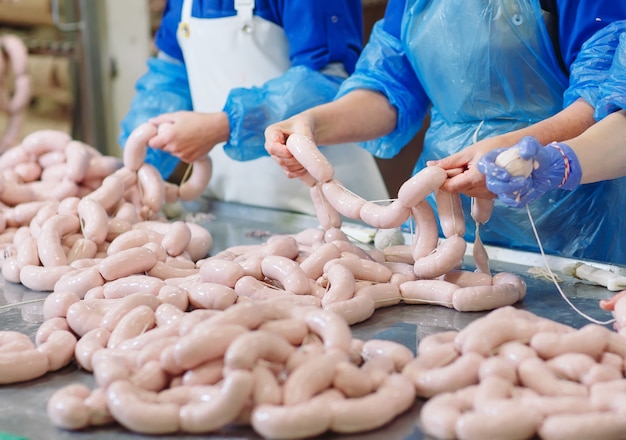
554, 166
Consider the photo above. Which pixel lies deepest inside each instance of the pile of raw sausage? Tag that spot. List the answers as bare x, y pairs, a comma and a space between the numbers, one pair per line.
179, 341
512, 374
289, 371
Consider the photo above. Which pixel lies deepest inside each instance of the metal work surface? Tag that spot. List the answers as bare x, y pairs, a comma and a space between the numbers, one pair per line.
23, 406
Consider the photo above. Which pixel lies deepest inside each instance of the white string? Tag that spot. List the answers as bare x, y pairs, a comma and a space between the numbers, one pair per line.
22, 303
556, 283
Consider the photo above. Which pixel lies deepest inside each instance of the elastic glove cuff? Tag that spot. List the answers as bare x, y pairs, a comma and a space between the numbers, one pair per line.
572, 173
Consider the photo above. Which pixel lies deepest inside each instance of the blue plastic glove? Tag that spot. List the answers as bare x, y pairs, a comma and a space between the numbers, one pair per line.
554, 166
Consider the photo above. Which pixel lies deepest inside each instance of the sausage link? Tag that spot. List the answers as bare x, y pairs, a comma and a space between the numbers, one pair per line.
312, 159
389, 216
414, 191
193, 187
450, 210
343, 200
211, 415
140, 411
136, 145
307, 419
448, 256
427, 233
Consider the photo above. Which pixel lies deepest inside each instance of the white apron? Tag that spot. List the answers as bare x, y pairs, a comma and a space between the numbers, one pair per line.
244, 51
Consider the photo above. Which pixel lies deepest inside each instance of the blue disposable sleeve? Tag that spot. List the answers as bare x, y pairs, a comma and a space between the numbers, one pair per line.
250, 110
591, 67
613, 90
162, 89
384, 67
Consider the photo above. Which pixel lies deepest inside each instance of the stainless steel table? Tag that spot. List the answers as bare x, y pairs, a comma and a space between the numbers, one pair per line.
23, 406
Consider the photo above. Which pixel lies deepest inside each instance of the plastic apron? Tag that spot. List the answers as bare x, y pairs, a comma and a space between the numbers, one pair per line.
244, 51
489, 67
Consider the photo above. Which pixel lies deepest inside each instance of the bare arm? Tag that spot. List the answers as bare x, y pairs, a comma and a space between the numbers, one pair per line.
601, 149
566, 124
358, 116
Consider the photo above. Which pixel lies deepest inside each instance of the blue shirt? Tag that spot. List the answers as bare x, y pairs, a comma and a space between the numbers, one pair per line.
319, 32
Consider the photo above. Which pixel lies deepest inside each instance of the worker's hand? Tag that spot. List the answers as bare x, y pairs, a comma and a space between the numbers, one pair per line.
276, 143
550, 167
190, 135
463, 177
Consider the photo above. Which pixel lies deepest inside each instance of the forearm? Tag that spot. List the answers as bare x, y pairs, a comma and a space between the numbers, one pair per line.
601, 149
358, 116
567, 124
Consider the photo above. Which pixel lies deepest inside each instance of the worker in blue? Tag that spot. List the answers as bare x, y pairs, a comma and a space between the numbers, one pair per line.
598, 154
227, 69
489, 72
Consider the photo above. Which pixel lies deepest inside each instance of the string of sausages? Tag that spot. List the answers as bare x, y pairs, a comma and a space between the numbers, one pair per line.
179, 341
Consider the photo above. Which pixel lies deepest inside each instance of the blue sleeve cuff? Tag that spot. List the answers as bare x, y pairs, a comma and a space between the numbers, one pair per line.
592, 65
613, 91
384, 67
250, 110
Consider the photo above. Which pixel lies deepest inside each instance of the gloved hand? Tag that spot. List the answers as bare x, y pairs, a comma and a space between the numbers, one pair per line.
553, 166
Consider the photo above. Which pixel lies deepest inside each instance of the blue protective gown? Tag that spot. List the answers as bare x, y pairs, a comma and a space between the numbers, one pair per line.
319, 33
486, 67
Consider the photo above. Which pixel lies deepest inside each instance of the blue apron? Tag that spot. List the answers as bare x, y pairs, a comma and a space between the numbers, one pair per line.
489, 67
